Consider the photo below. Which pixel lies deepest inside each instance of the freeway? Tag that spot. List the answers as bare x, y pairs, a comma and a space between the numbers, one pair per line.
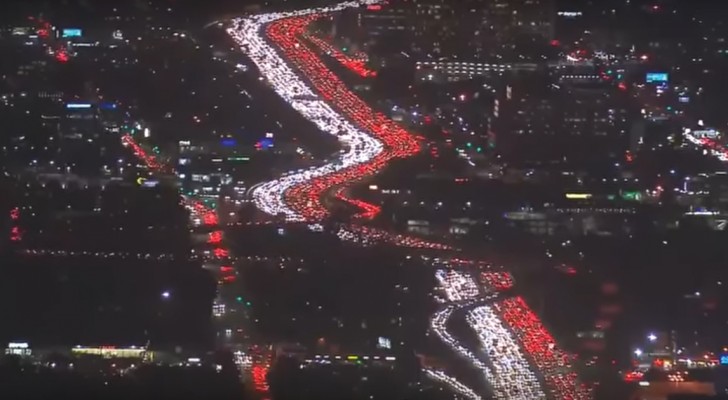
368, 138
516, 354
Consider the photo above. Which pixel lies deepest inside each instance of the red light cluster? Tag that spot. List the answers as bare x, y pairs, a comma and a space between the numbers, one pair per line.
15, 214
355, 63
496, 281
553, 363
15, 234
221, 253
369, 211
208, 215
148, 160
62, 56
215, 237
369, 236
260, 383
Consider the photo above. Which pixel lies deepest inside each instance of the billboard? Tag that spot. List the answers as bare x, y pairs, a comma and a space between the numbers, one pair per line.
656, 77
71, 32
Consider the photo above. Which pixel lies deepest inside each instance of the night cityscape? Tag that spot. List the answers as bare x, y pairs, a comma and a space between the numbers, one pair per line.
370, 199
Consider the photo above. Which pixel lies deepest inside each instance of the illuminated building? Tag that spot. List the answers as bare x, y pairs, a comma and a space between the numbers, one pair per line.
562, 123
455, 70
471, 29
79, 122
426, 24
433, 27
511, 17
378, 20
83, 141
113, 352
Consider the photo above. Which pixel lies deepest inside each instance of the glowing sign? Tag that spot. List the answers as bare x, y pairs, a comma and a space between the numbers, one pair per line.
112, 352
72, 106
660, 77
724, 359
570, 14
578, 196
708, 133
73, 32
229, 142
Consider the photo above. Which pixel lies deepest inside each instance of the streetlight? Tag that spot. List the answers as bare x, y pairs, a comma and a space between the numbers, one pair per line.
638, 352
165, 294
651, 337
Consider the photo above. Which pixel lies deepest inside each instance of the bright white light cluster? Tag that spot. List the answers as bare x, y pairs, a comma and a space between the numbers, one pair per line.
513, 377
438, 324
367, 236
713, 147
452, 383
358, 146
456, 285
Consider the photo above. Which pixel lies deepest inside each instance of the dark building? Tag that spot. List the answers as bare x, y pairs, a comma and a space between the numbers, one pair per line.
562, 122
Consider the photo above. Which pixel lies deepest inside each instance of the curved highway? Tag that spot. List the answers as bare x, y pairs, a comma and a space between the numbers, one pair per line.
368, 138
517, 356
